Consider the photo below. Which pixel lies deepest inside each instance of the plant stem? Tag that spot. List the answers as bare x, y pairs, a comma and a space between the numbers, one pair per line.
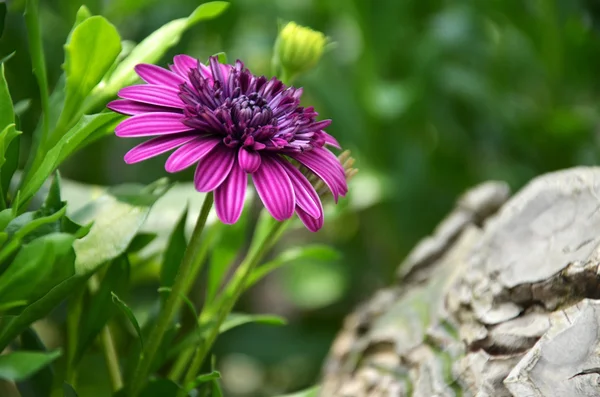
191, 257
112, 361
233, 291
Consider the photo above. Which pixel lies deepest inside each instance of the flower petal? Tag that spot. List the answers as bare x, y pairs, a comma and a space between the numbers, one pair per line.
156, 146
147, 124
125, 106
306, 196
153, 94
190, 153
275, 189
229, 196
327, 167
214, 168
249, 160
182, 64
331, 141
311, 223
153, 74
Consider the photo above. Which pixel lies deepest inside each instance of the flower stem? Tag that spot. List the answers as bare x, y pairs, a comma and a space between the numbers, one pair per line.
233, 291
191, 257
112, 362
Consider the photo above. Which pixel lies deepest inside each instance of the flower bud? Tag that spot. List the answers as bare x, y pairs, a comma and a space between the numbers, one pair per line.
298, 49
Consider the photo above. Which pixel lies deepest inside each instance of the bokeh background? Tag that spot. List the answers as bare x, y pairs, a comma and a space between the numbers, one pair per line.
431, 96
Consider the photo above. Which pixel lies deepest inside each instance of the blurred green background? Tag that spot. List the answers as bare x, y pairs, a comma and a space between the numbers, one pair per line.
431, 96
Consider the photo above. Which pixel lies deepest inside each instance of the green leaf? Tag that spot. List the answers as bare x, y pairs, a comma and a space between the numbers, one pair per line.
39, 308
68, 143
38, 61
27, 227
130, 316
21, 365
227, 248
11, 162
7, 114
312, 392
83, 13
9, 157
53, 201
232, 321
188, 302
26, 224
117, 217
160, 388
93, 46
100, 308
315, 252
208, 11
39, 384
68, 390
140, 241
5, 217
174, 252
203, 379
221, 57
216, 386
153, 47
38, 267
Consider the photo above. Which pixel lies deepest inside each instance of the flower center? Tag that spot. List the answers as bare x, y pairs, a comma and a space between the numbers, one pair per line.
250, 111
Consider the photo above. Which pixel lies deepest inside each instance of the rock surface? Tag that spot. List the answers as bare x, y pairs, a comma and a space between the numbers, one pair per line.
501, 300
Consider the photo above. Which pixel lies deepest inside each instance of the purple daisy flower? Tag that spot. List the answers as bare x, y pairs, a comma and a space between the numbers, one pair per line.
230, 123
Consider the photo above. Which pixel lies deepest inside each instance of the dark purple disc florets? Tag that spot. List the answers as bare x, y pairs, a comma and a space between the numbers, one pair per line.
249, 111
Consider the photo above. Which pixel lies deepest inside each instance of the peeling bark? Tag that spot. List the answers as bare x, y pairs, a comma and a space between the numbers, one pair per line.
501, 300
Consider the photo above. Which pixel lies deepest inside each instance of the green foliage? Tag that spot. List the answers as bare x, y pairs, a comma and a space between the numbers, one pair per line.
153, 47
7, 115
204, 378
228, 244
20, 365
312, 392
130, 316
117, 217
37, 268
40, 384
38, 61
232, 321
100, 306
93, 46
173, 254
73, 139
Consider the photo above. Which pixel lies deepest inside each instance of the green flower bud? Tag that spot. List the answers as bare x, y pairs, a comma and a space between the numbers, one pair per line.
298, 49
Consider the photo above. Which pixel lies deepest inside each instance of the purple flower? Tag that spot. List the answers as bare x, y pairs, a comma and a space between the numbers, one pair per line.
230, 123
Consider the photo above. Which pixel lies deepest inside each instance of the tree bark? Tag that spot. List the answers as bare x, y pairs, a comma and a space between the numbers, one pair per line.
499, 301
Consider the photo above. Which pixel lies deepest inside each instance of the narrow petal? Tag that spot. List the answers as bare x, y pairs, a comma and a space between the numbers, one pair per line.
306, 196
275, 189
153, 74
125, 106
148, 124
311, 223
183, 63
249, 160
153, 94
331, 141
214, 168
190, 153
156, 146
327, 167
229, 196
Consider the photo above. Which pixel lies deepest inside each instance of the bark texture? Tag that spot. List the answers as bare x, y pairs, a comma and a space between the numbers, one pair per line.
499, 301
